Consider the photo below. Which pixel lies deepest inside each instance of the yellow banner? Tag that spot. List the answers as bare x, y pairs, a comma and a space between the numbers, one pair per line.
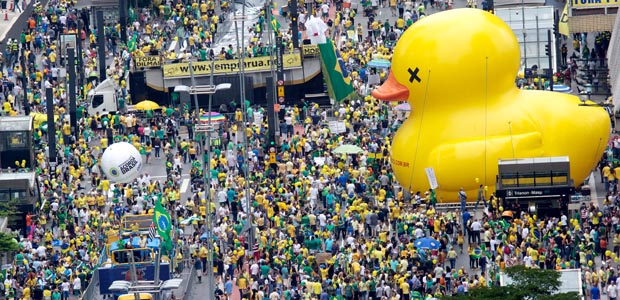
593, 3
563, 26
310, 50
147, 61
254, 64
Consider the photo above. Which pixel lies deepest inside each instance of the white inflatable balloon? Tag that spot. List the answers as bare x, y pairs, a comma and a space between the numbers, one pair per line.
315, 30
121, 162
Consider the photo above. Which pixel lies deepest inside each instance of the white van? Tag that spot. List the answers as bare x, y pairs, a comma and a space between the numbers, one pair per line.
103, 98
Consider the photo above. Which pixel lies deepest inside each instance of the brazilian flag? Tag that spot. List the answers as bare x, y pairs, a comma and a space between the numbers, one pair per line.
339, 85
161, 217
275, 25
132, 45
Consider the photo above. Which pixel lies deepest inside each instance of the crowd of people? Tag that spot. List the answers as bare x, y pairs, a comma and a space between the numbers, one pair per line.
326, 225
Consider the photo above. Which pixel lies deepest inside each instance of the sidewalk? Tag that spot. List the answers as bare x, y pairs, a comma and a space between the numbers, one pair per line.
9, 18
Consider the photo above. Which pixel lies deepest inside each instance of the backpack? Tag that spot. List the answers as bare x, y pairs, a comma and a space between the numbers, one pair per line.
506, 249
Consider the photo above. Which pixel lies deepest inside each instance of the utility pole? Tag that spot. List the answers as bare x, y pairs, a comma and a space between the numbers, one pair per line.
157, 267
122, 15
550, 56
292, 9
72, 94
209, 213
24, 81
51, 129
556, 33
80, 57
278, 73
524, 34
101, 46
241, 60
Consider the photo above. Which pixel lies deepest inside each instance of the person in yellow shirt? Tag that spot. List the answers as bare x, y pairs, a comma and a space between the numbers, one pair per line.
6, 107
405, 289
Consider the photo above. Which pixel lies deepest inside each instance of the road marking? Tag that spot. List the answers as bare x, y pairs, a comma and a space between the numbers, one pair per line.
184, 185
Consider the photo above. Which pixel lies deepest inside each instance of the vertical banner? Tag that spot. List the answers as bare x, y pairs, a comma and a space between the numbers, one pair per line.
563, 24
432, 179
279, 69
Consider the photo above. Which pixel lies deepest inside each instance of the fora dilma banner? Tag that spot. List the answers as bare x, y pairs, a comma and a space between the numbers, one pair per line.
254, 64
148, 62
594, 3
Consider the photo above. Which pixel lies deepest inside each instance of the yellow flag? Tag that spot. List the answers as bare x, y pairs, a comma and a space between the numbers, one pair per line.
563, 24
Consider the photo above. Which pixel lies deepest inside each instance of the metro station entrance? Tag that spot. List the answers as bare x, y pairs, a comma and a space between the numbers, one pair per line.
540, 186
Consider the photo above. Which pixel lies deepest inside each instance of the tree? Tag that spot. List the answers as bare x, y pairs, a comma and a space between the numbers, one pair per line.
531, 284
8, 242
8, 210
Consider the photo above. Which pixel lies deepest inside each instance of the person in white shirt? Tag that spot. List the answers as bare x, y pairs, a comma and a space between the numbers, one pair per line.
322, 220
325, 11
612, 291
476, 227
419, 233
313, 196
77, 285
254, 269
527, 261
65, 287
41, 252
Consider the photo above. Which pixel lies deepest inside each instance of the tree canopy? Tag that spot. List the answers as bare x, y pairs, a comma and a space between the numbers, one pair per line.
532, 284
8, 242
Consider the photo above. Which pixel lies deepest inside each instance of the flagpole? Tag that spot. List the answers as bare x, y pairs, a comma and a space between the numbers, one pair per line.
157, 266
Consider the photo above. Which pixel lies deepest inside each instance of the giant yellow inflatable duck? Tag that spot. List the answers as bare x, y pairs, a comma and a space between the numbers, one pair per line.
457, 69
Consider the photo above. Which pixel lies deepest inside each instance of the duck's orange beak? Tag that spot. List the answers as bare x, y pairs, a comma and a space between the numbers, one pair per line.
391, 90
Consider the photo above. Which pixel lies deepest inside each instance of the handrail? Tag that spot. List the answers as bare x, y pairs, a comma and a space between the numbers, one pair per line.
93, 285
189, 283
91, 290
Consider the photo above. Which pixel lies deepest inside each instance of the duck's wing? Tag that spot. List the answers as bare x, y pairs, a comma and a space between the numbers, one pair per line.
466, 156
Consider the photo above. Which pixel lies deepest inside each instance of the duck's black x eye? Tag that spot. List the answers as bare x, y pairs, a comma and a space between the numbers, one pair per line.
414, 75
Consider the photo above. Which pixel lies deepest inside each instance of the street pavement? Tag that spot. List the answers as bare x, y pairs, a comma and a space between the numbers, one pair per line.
199, 289
13, 22
12, 27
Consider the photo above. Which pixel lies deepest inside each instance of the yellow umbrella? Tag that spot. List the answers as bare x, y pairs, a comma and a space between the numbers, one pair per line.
146, 105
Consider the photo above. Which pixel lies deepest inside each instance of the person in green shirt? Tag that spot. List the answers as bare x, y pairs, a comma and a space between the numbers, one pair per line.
305, 220
372, 289
264, 269
56, 294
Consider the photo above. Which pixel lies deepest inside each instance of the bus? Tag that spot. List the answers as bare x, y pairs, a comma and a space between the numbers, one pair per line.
120, 264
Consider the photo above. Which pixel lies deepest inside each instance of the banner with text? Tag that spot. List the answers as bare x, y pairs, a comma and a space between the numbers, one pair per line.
254, 64
594, 3
148, 62
310, 50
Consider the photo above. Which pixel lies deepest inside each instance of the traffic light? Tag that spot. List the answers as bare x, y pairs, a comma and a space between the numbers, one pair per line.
547, 52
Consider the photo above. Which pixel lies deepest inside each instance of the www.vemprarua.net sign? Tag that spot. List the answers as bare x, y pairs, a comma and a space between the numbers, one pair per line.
253, 64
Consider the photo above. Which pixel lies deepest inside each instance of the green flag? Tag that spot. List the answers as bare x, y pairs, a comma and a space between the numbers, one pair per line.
275, 25
161, 218
338, 83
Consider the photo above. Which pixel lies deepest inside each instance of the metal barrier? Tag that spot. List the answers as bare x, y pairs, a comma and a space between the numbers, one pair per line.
91, 290
189, 283
93, 285
454, 205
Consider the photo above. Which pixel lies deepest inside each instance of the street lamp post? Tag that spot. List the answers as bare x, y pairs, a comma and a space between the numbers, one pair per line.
246, 148
524, 34
195, 91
